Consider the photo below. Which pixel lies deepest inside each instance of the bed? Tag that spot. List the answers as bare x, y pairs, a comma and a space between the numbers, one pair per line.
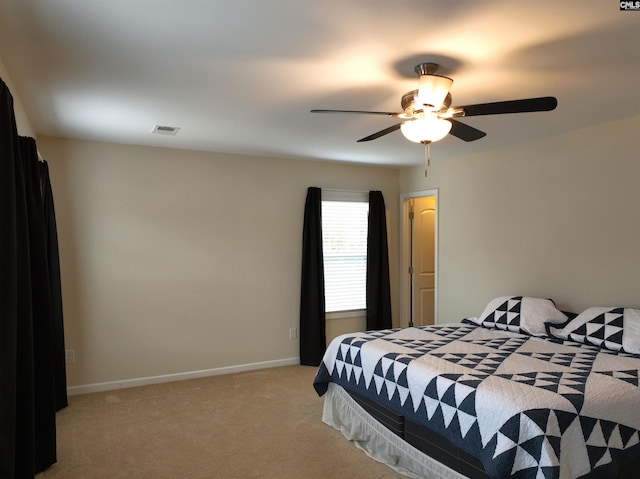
522, 391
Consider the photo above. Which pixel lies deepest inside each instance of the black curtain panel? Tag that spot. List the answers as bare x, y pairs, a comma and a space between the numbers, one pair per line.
13, 229
378, 285
312, 308
53, 262
27, 401
44, 411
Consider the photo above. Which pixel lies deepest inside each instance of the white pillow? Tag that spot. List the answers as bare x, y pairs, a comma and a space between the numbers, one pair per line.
617, 329
521, 315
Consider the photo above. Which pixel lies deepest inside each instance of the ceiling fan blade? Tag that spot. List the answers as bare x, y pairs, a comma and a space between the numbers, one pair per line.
380, 133
546, 103
465, 132
362, 112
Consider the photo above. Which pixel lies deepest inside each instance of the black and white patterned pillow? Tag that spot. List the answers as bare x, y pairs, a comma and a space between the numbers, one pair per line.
617, 329
520, 314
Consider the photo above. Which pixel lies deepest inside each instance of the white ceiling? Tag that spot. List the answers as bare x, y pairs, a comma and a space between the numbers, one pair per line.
240, 76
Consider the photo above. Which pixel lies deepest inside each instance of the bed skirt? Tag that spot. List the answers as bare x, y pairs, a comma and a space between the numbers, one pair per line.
343, 413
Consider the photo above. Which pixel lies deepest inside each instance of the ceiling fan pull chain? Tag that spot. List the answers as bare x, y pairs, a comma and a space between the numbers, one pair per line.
427, 157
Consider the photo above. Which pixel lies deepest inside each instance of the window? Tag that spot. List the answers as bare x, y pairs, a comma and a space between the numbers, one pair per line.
344, 243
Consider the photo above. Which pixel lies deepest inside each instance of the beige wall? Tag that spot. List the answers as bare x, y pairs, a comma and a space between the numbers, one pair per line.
345, 325
556, 218
175, 261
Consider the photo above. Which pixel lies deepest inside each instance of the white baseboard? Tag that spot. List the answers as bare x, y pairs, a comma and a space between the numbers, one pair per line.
165, 378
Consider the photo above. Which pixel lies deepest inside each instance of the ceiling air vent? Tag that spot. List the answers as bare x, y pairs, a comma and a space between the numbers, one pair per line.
165, 130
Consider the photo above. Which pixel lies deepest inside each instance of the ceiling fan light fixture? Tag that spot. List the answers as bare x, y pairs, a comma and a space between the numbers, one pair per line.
426, 129
433, 90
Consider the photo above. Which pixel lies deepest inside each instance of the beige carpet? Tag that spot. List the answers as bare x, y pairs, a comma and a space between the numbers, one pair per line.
259, 424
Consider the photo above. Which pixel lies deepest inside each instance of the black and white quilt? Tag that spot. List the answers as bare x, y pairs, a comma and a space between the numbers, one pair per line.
527, 407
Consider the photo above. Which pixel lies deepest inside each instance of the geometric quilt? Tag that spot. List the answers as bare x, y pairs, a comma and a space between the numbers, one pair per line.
525, 406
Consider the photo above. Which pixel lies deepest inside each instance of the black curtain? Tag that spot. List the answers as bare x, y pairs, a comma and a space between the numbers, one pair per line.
53, 262
378, 285
27, 374
312, 308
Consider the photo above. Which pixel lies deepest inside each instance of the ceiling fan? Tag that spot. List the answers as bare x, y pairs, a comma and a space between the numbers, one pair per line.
428, 116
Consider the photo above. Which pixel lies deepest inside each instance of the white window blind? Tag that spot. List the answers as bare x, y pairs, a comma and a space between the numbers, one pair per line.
344, 243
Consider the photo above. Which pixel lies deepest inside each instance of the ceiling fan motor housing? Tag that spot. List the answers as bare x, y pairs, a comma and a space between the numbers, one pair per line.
410, 103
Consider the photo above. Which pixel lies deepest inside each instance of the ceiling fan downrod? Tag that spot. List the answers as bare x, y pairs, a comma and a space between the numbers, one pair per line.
426, 68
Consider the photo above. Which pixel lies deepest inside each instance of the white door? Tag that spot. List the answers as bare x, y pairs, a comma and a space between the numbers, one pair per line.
424, 270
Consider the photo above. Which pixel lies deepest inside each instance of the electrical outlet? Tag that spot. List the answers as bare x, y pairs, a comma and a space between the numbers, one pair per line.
70, 356
293, 333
